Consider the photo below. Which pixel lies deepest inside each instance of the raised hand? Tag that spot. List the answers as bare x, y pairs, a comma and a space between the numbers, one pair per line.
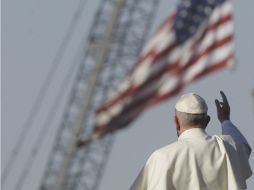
223, 108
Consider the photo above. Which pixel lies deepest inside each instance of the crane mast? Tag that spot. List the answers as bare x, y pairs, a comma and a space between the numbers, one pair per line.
116, 37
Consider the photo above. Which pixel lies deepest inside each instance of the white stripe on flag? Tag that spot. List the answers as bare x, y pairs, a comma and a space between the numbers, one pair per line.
104, 117
168, 83
141, 72
219, 12
165, 35
165, 42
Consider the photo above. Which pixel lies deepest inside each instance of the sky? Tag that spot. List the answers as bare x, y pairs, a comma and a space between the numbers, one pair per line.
32, 31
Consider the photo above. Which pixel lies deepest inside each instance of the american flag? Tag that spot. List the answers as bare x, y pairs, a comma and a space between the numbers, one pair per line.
194, 41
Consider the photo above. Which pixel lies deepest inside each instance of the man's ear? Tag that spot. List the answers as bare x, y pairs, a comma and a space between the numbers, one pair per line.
208, 120
177, 123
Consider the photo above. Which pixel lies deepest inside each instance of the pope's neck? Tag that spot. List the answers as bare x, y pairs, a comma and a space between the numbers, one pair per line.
185, 128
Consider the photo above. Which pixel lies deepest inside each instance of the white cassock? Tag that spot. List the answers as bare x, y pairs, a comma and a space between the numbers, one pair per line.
198, 161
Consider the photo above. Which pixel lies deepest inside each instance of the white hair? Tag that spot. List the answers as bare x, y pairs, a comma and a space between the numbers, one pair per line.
192, 119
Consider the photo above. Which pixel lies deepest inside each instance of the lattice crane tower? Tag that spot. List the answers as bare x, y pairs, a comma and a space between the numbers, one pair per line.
116, 37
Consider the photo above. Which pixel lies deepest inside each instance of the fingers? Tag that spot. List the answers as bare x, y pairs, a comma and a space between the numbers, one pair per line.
223, 109
224, 98
217, 103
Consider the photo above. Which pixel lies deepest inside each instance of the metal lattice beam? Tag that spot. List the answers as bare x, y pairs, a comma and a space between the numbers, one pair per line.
117, 35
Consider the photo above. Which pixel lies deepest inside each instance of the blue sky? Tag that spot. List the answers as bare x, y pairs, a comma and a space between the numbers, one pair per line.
32, 31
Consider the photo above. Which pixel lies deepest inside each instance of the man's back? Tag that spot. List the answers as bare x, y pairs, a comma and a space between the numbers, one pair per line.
196, 161
199, 162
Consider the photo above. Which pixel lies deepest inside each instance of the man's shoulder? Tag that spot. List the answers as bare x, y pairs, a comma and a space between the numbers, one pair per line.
165, 154
226, 138
185, 145
172, 146
170, 149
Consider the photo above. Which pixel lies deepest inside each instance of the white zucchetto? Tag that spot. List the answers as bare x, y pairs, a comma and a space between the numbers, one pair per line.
191, 103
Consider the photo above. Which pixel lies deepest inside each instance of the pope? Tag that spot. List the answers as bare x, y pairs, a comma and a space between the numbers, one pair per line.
198, 161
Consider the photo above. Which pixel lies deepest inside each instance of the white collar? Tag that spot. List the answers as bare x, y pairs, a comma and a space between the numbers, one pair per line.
193, 133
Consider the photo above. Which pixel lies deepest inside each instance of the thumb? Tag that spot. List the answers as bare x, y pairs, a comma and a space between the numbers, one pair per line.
217, 103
